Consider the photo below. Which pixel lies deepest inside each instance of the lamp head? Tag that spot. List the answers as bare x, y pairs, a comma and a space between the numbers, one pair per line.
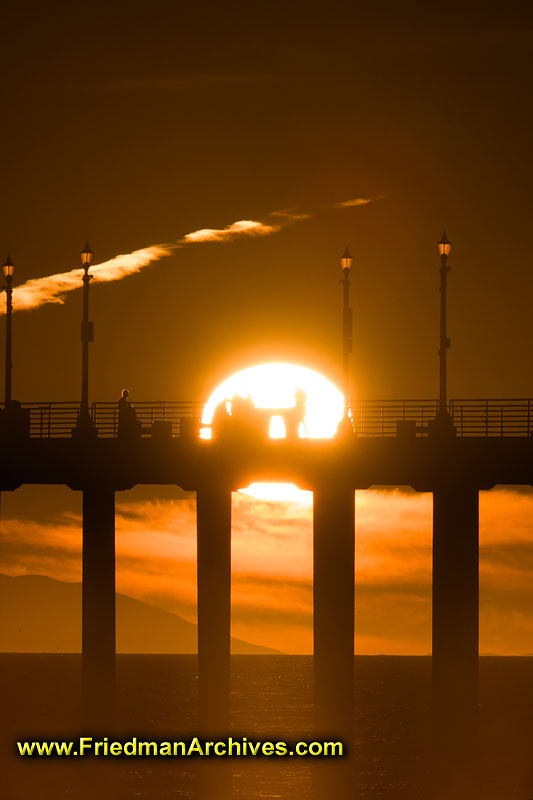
8, 268
86, 255
346, 260
444, 246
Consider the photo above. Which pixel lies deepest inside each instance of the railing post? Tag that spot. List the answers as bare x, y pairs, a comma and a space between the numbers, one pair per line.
487, 418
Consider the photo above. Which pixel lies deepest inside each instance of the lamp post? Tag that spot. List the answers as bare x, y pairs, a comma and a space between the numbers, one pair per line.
444, 247
347, 327
87, 336
8, 268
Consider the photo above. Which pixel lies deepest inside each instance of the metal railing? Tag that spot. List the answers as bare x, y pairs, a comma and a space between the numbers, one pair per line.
482, 418
380, 418
52, 420
105, 415
371, 418
495, 417
58, 419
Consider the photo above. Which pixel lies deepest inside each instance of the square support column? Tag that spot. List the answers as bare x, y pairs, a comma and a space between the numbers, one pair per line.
214, 607
98, 607
333, 608
455, 660
455, 597
333, 626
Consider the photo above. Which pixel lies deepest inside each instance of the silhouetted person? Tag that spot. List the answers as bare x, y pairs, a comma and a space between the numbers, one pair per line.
221, 422
15, 420
127, 417
244, 416
295, 417
242, 408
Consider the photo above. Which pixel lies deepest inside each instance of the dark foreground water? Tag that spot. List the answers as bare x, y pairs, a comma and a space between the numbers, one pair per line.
271, 699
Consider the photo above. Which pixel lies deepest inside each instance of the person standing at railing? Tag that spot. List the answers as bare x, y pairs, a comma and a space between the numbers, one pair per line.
128, 425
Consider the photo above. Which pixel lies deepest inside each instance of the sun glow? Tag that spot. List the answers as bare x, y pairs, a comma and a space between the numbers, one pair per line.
284, 492
301, 400
275, 387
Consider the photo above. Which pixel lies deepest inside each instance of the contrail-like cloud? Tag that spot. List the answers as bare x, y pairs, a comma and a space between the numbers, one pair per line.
290, 215
357, 201
54, 288
243, 227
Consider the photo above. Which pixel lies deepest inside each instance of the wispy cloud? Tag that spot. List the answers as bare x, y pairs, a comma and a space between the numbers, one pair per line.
54, 288
243, 227
272, 566
354, 202
289, 215
357, 201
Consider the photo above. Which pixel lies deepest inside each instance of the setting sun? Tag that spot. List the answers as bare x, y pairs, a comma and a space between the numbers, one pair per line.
279, 387
276, 387
264, 532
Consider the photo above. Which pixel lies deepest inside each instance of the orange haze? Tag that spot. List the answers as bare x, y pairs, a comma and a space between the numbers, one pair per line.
272, 566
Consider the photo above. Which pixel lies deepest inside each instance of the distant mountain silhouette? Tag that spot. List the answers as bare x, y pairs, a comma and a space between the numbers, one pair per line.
43, 615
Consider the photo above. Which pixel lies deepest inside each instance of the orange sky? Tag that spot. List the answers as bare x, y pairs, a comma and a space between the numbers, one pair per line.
270, 129
272, 565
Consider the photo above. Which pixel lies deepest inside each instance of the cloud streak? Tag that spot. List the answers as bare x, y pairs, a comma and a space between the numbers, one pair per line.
290, 215
54, 288
357, 201
243, 227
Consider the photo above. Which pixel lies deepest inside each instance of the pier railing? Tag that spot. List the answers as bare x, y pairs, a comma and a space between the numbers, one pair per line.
371, 418
105, 415
485, 418
384, 418
58, 419
492, 417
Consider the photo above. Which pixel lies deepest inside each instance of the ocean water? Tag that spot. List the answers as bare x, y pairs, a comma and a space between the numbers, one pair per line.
271, 699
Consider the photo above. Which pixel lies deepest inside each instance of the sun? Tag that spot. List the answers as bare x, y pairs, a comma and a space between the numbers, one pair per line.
276, 387
308, 405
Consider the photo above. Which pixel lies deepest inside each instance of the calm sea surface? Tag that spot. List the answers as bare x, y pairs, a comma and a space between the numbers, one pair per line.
271, 698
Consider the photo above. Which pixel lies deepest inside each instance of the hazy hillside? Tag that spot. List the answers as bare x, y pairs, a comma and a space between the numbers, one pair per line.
43, 615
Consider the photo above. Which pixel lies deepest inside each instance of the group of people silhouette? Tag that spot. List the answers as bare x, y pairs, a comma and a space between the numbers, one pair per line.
240, 415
